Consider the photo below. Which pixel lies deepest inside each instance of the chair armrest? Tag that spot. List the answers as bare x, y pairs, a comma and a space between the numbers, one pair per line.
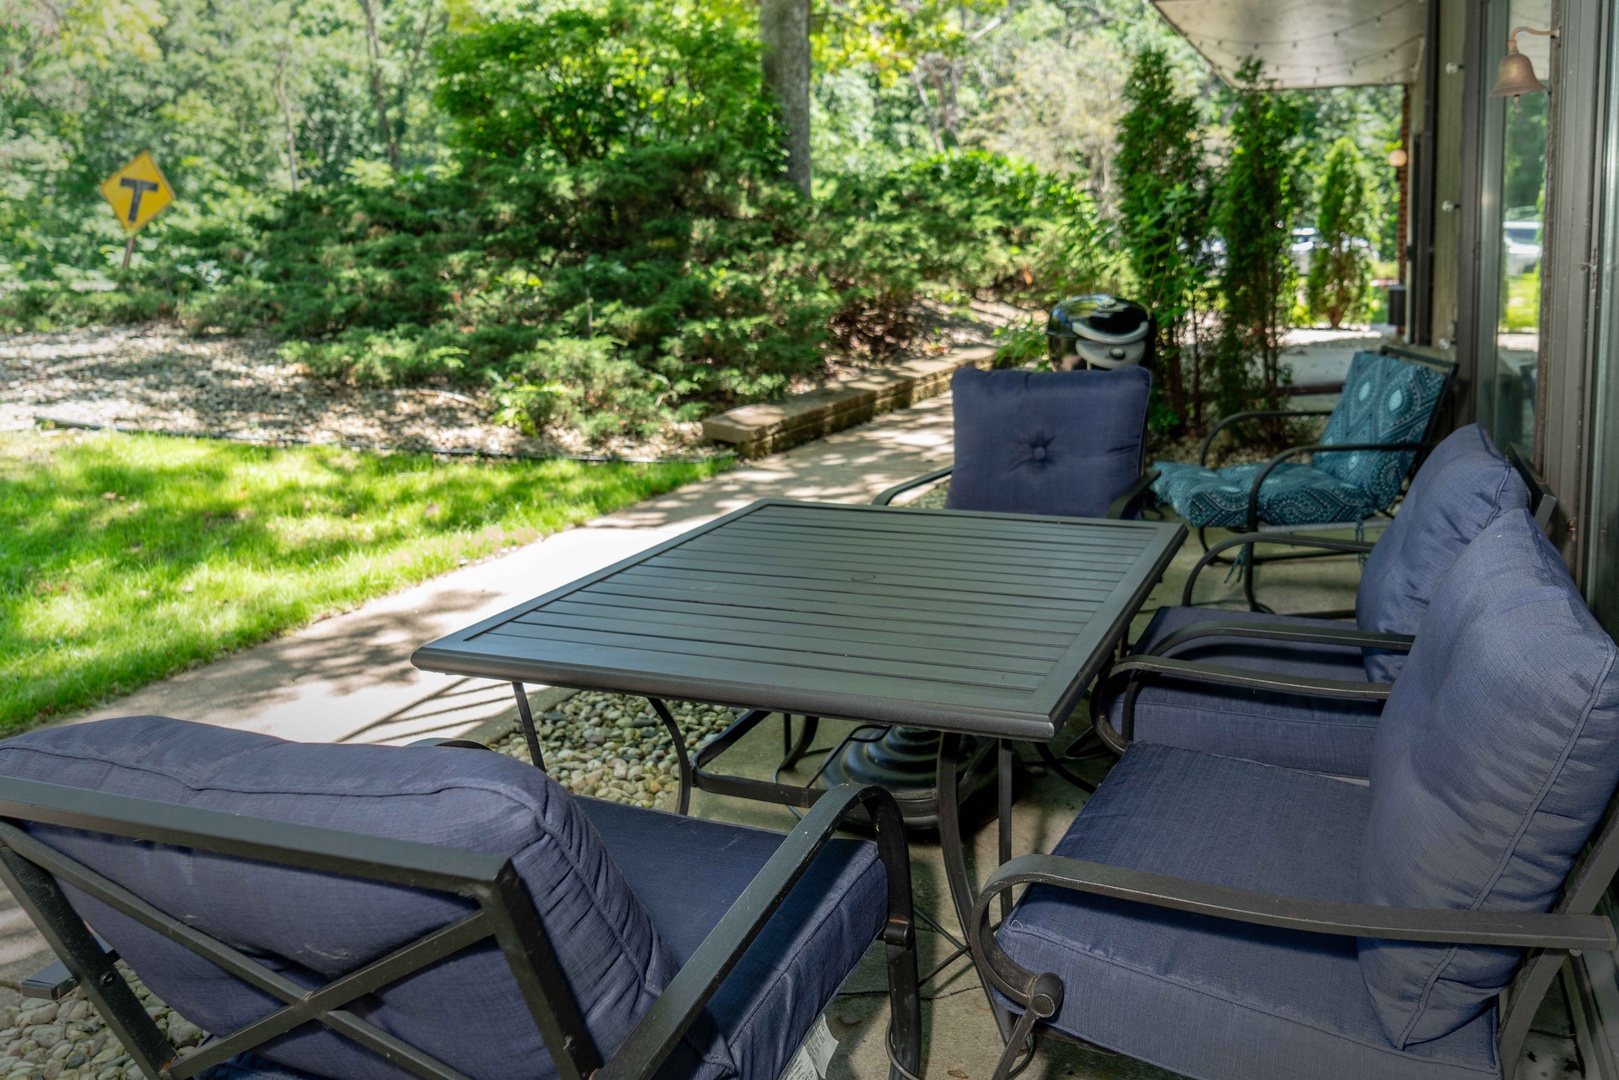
1304, 635
1326, 543
688, 993
1257, 414
1139, 487
1252, 678
887, 497
1249, 678
1524, 930
1295, 451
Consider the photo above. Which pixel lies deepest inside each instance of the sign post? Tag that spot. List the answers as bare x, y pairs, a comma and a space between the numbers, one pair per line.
137, 193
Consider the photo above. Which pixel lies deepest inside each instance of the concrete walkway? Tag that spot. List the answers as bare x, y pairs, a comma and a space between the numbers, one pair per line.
349, 678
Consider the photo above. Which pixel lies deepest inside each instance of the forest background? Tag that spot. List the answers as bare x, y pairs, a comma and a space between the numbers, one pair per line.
583, 209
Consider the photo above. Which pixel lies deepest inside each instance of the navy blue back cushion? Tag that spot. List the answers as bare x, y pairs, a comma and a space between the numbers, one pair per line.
1065, 443
1459, 490
1496, 755
313, 927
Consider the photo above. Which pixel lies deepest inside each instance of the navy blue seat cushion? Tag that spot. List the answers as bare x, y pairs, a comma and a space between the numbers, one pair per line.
253, 1067
687, 873
1064, 443
1318, 734
1208, 997
1497, 754
1459, 489
313, 927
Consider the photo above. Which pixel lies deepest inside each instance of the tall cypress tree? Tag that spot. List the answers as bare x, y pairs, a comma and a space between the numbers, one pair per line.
1164, 204
1340, 265
1259, 198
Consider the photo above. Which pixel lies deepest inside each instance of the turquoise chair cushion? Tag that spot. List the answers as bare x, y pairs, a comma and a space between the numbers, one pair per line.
1385, 400
1294, 494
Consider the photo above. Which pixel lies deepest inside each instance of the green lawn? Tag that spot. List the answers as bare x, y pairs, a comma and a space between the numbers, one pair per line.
127, 558
1520, 314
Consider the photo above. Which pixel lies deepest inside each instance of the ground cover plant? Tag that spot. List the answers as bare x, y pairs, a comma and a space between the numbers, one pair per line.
128, 558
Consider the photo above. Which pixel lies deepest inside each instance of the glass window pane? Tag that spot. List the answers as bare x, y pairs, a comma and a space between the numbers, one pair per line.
1523, 213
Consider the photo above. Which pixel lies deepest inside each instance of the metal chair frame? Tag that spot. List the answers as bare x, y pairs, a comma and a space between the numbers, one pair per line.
1542, 502
1568, 928
503, 910
1251, 535
1128, 498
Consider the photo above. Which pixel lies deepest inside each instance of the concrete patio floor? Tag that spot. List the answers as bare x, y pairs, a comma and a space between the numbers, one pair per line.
348, 678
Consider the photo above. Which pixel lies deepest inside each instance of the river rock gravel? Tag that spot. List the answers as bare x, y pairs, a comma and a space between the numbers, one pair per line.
68, 1040
614, 747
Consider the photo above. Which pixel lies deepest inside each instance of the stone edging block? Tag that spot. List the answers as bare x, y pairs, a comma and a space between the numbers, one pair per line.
765, 428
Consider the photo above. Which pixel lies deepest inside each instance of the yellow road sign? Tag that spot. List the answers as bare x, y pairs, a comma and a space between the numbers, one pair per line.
137, 192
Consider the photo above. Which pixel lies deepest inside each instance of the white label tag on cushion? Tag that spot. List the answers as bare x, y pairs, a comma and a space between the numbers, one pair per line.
813, 1057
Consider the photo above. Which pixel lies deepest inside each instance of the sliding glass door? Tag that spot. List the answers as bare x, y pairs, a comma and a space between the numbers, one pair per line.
1513, 207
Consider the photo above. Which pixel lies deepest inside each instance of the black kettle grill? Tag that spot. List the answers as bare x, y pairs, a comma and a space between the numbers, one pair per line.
1099, 331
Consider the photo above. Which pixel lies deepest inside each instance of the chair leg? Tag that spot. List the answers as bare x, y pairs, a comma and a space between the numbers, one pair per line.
903, 1039
1056, 765
1248, 573
1021, 1035
793, 751
904, 1012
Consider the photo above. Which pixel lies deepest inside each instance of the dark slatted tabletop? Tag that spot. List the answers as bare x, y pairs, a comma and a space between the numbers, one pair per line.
985, 623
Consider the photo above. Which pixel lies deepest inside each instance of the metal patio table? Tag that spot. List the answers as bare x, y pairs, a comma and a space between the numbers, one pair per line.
962, 623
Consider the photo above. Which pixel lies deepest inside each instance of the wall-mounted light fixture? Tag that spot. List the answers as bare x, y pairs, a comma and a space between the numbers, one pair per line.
1516, 75
1397, 157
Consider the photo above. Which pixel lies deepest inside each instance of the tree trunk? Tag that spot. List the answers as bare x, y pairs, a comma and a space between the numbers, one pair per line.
373, 48
284, 97
784, 31
928, 111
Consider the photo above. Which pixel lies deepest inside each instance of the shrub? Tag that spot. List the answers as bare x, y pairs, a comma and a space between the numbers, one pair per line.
1341, 264
59, 307
586, 385
1259, 196
613, 246
1165, 200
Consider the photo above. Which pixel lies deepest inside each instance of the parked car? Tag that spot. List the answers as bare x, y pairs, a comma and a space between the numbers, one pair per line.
1305, 239
1520, 247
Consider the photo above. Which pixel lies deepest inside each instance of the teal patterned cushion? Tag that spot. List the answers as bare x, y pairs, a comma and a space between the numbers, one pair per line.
1293, 495
1385, 400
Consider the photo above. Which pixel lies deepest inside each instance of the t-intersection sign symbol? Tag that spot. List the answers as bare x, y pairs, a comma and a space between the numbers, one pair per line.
137, 192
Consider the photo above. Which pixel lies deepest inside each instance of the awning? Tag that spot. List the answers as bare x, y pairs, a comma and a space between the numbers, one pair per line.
1306, 43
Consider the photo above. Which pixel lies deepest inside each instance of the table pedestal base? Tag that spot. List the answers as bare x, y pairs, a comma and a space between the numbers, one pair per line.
905, 762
